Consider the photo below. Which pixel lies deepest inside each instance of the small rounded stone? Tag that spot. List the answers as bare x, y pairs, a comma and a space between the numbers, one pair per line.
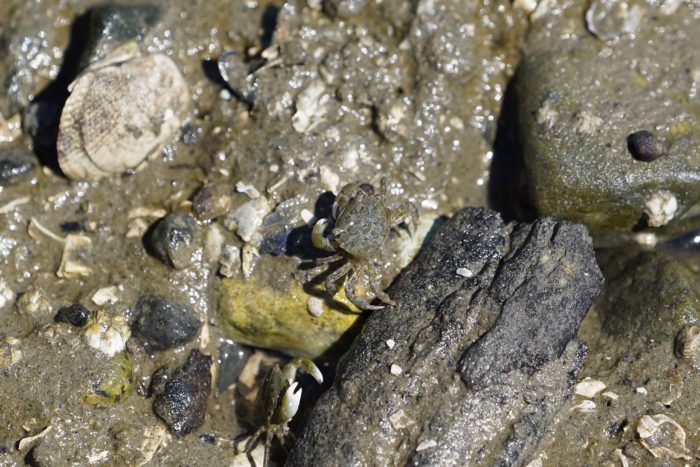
163, 324
75, 314
173, 239
644, 146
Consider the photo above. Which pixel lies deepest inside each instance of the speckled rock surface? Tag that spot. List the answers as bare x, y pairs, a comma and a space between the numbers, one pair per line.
441, 394
579, 100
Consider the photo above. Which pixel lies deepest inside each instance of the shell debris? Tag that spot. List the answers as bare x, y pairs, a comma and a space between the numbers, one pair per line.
663, 437
400, 420
589, 387
426, 444
396, 370
106, 295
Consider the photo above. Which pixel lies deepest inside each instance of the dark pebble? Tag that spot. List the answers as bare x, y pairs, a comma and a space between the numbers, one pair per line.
16, 165
233, 358
207, 438
162, 324
172, 240
75, 314
182, 401
112, 25
644, 146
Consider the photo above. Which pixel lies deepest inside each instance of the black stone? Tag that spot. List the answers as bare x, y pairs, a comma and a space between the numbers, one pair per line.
498, 346
75, 314
163, 324
16, 165
182, 401
644, 146
172, 240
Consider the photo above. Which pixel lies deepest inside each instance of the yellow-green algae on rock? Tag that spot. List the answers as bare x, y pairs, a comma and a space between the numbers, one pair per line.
257, 314
115, 386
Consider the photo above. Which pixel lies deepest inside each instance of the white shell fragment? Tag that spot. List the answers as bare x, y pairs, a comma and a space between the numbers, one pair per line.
663, 436
400, 420
426, 444
396, 370
660, 208
108, 334
106, 295
7, 295
311, 106
586, 406
390, 343
75, 248
120, 111
589, 387
464, 272
315, 306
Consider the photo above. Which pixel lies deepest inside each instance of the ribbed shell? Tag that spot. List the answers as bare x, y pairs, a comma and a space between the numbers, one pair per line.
119, 114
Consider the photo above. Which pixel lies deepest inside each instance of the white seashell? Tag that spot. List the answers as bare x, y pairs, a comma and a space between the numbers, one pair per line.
121, 110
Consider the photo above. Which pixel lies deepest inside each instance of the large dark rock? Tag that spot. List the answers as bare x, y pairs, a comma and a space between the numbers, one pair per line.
181, 399
486, 359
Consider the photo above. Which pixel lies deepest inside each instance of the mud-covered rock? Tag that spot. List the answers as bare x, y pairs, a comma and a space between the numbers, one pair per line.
163, 324
181, 401
579, 102
467, 367
75, 314
16, 165
649, 295
173, 240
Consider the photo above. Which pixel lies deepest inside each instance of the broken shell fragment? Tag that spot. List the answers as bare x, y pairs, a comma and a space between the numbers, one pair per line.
663, 436
121, 110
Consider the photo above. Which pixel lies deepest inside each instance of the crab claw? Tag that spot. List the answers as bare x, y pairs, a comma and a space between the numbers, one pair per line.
318, 238
290, 403
290, 369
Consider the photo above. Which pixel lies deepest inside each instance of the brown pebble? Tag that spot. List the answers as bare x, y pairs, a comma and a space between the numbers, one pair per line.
644, 146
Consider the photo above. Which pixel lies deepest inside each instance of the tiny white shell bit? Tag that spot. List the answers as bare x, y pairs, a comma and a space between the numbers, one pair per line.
120, 111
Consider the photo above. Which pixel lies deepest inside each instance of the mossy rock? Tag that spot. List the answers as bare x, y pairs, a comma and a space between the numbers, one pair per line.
115, 385
254, 313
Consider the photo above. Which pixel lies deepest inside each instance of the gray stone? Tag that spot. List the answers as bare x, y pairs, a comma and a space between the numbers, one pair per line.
486, 358
163, 324
16, 165
578, 103
173, 239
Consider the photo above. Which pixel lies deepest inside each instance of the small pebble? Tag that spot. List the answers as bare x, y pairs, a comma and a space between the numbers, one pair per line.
644, 146
395, 369
426, 444
641, 390
390, 343
173, 240
611, 395
315, 306
400, 420
232, 358
75, 314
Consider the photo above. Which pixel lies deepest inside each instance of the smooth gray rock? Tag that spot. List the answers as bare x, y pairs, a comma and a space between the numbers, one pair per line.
487, 360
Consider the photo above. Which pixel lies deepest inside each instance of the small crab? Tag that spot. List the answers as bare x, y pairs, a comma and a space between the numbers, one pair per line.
278, 401
362, 224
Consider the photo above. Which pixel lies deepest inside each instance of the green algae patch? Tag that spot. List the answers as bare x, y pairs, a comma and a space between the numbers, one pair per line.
254, 313
115, 386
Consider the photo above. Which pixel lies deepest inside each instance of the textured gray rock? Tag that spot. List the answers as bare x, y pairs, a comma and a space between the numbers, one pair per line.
486, 360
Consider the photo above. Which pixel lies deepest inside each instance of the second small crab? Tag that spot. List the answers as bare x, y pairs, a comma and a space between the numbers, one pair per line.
362, 224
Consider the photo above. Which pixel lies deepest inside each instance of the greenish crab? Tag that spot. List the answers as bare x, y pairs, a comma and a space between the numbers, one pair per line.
278, 402
362, 224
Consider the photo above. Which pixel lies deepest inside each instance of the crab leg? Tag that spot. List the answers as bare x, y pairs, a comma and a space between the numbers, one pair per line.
375, 286
328, 259
358, 301
334, 276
